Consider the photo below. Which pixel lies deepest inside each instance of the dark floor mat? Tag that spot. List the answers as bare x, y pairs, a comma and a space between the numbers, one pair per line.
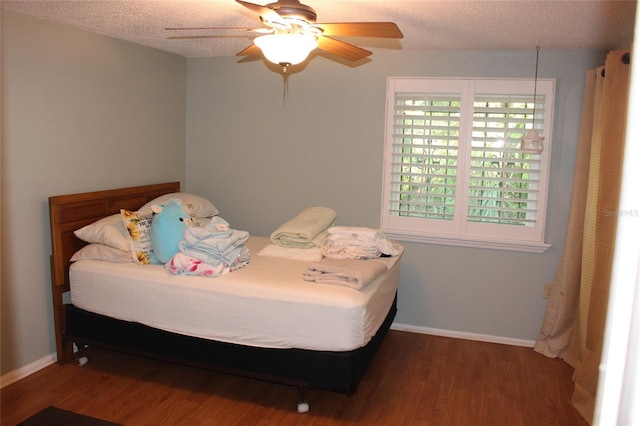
52, 416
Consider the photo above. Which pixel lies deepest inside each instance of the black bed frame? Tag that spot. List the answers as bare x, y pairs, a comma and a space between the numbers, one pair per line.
306, 369
333, 371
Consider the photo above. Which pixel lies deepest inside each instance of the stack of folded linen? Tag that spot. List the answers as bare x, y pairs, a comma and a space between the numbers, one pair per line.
306, 230
352, 273
354, 242
211, 250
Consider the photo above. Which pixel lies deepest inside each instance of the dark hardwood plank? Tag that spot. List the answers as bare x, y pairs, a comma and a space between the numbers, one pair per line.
415, 379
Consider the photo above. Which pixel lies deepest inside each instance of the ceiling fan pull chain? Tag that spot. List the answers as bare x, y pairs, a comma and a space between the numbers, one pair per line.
285, 83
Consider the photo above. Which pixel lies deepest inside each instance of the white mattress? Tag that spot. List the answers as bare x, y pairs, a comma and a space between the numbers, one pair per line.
265, 304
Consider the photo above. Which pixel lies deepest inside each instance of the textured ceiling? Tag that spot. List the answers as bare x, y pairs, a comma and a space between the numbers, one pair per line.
427, 25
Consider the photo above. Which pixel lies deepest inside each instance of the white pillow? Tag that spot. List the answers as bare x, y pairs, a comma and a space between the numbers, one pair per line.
102, 252
199, 205
109, 231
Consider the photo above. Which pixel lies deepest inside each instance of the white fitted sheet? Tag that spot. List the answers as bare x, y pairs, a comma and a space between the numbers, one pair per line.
265, 304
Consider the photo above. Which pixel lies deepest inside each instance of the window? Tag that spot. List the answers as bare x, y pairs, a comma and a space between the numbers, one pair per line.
454, 169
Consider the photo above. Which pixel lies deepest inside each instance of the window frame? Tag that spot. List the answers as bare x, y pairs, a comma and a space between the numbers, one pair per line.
460, 231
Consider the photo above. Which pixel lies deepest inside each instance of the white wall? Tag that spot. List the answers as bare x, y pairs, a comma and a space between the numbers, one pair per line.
262, 159
81, 112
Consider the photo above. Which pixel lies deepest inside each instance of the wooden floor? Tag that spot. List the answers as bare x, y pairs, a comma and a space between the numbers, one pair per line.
415, 379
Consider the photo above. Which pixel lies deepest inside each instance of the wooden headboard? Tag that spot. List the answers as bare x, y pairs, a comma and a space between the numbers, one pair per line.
70, 212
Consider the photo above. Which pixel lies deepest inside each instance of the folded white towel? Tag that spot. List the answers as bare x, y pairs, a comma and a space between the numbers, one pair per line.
309, 255
354, 242
354, 231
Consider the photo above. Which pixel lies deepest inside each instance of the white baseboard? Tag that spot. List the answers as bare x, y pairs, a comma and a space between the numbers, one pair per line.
27, 370
462, 335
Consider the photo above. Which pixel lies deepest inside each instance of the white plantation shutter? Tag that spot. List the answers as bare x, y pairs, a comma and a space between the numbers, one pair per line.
504, 180
425, 155
454, 170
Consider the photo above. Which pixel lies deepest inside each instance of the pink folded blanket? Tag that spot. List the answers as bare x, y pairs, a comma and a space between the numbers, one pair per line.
181, 264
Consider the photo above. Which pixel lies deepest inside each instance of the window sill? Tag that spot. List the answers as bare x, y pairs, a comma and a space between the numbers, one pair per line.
451, 240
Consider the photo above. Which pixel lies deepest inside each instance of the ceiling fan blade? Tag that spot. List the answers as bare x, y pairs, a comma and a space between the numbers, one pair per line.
250, 51
208, 28
340, 48
195, 37
361, 29
265, 13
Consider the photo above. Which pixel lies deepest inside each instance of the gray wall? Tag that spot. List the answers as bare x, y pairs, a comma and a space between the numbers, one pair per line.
262, 159
80, 112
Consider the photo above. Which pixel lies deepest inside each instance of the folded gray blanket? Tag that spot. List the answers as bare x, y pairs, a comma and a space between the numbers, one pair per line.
346, 272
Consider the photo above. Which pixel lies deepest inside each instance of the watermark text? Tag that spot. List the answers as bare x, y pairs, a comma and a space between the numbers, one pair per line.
622, 213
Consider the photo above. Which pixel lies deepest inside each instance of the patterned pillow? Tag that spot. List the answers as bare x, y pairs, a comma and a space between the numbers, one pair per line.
138, 226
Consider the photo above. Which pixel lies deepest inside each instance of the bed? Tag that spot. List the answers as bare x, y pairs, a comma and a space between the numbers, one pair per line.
325, 339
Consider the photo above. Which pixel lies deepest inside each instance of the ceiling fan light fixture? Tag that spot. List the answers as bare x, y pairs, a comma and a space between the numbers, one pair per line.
290, 49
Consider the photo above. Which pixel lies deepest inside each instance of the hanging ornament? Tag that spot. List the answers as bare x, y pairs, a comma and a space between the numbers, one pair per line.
533, 142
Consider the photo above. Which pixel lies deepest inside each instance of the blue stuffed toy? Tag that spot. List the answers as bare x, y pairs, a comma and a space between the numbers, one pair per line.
167, 229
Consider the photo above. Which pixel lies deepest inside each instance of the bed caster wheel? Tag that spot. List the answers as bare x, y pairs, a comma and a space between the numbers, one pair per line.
303, 407
82, 361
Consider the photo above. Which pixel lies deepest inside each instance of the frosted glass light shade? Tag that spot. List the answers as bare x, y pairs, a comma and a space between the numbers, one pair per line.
286, 48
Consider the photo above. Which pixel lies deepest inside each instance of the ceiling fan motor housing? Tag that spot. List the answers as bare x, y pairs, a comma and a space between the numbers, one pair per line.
294, 9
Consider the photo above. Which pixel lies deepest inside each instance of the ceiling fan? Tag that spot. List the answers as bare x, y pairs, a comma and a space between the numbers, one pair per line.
290, 33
